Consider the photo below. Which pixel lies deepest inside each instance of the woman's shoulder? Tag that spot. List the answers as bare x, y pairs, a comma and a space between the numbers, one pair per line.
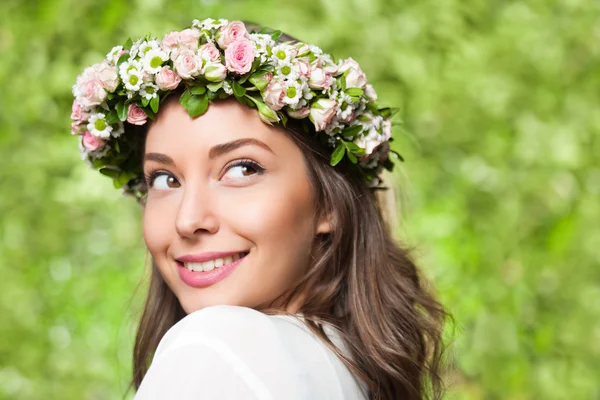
278, 347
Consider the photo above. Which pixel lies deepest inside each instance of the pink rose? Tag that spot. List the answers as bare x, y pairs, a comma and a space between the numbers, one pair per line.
170, 41
304, 67
274, 94
210, 52
77, 112
234, 31
91, 142
322, 112
299, 114
136, 115
88, 88
319, 79
188, 64
356, 77
239, 56
167, 79
107, 74
188, 38
77, 128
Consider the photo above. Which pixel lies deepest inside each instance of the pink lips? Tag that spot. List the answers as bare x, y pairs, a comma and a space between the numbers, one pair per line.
206, 278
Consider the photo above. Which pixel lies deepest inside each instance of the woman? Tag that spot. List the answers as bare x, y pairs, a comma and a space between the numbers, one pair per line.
274, 275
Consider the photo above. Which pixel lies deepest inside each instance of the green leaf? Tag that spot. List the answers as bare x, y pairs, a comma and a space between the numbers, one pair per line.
355, 92
122, 109
112, 117
124, 57
110, 172
397, 155
352, 158
214, 87
388, 112
276, 35
238, 90
128, 43
337, 155
197, 105
351, 146
198, 90
352, 131
154, 103
185, 98
117, 147
145, 102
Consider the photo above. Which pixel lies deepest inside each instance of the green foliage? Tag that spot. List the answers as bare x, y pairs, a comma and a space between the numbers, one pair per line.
499, 192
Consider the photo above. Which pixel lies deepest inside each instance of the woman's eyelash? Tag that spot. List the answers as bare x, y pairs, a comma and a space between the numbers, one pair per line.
246, 163
152, 175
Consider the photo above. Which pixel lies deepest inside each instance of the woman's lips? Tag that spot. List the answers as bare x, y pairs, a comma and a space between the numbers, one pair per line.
207, 278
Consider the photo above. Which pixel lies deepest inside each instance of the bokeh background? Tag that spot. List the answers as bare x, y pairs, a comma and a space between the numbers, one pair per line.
499, 193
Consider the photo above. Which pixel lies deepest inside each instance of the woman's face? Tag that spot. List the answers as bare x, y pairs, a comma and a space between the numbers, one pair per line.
227, 185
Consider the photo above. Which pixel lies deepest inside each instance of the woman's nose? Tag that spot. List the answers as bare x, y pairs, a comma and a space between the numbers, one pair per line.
195, 214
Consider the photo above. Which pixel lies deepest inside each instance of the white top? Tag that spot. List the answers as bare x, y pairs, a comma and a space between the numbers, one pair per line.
232, 352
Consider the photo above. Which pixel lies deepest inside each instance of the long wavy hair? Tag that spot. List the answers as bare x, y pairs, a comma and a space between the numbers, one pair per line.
360, 280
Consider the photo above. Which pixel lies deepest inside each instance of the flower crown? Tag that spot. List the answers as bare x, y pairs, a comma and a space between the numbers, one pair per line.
216, 59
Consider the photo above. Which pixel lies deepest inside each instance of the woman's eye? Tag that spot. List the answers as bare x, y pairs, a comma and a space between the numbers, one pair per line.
163, 181
243, 169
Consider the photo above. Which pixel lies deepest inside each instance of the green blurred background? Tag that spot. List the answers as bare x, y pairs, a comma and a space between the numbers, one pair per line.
499, 193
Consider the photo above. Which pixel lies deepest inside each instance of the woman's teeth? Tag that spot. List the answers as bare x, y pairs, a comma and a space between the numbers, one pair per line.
212, 264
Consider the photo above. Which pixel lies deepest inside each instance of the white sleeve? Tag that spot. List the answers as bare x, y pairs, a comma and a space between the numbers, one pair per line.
226, 352
195, 371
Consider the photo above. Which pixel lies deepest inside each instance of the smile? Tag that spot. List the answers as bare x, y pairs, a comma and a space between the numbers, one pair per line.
212, 264
207, 273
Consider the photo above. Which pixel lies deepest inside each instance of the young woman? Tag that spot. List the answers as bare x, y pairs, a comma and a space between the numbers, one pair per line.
274, 275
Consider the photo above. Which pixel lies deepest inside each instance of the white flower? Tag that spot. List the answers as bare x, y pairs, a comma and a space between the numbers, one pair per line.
148, 91
128, 66
293, 94
262, 41
133, 80
209, 23
282, 54
119, 130
141, 47
286, 72
227, 88
113, 55
98, 127
153, 60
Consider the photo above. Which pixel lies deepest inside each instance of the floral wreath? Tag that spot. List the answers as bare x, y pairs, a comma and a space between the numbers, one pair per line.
216, 59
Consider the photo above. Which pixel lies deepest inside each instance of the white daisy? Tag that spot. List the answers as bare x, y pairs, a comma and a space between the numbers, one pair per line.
153, 60
128, 66
141, 47
293, 94
119, 130
98, 127
148, 91
113, 56
282, 54
262, 42
286, 72
209, 23
133, 80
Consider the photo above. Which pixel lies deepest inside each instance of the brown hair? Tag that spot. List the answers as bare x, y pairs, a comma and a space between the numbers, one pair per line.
361, 281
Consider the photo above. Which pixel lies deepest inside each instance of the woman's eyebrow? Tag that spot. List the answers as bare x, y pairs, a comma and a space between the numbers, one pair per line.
160, 158
215, 151
223, 148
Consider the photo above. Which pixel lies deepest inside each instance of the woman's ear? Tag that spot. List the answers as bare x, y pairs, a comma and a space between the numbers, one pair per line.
325, 224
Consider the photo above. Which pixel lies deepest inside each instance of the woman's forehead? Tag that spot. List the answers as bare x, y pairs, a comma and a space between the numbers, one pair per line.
224, 121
